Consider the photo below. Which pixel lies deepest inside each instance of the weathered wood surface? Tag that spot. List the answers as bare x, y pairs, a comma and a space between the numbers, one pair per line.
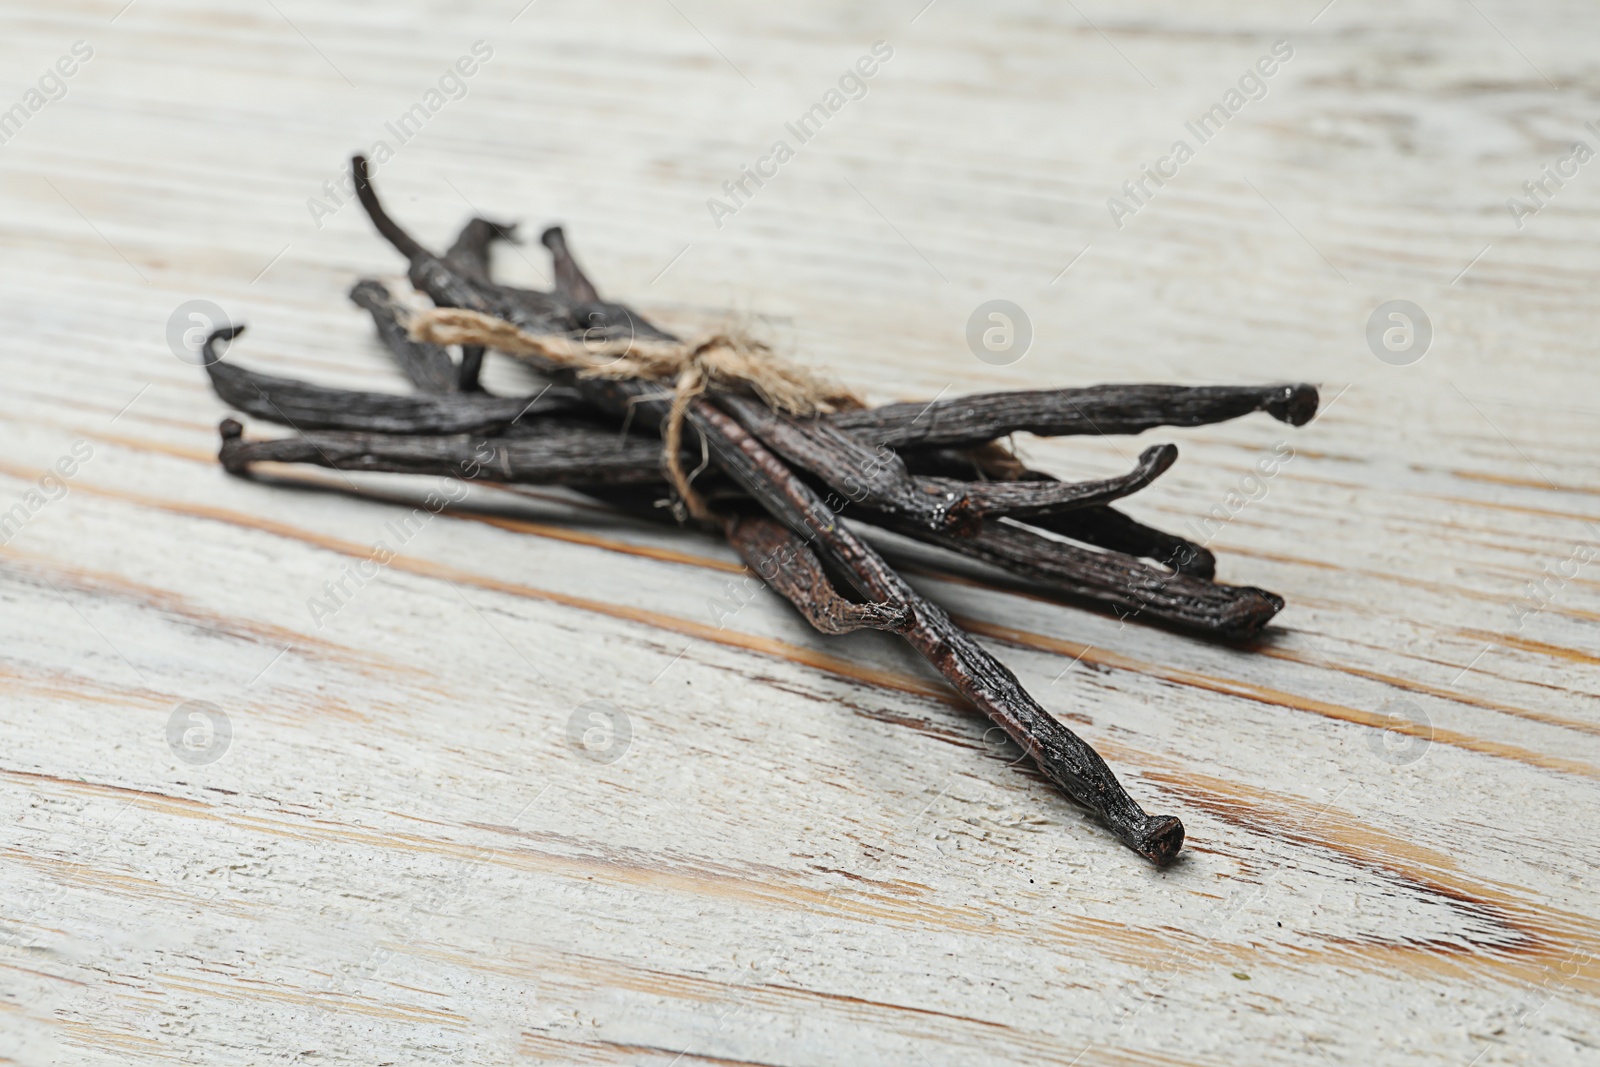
807, 853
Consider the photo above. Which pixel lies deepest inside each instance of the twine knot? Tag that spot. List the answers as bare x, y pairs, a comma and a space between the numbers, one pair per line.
728, 360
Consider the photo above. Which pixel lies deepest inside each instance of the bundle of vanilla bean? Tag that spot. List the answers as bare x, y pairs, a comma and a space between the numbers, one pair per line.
770, 456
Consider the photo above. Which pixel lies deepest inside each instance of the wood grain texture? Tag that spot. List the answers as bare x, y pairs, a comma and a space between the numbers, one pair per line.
808, 852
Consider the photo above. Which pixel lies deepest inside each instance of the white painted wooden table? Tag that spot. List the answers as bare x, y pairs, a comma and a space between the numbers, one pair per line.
805, 852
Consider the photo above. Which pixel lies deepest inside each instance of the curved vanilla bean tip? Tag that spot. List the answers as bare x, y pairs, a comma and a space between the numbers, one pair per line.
570, 279
428, 366
403, 242
208, 351
469, 254
1022, 499
229, 454
1297, 405
443, 283
594, 319
1156, 461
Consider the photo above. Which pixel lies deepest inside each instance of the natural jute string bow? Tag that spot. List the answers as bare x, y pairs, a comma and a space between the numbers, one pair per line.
728, 360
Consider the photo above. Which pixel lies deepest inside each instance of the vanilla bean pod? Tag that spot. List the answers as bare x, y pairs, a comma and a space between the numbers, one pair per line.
561, 452
1099, 409
313, 407
1131, 587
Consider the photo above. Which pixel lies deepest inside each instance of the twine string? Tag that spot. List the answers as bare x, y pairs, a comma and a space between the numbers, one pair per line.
729, 360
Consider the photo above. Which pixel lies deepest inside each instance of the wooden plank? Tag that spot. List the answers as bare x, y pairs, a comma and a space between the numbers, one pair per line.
807, 851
